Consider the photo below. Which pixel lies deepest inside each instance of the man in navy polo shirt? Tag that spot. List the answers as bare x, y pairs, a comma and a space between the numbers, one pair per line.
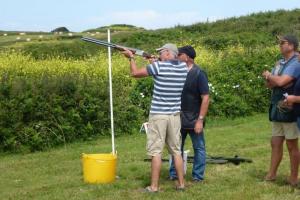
284, 126
194, 106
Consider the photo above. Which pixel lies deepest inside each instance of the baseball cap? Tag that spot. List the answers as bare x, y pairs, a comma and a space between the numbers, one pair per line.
169, 46
188, 50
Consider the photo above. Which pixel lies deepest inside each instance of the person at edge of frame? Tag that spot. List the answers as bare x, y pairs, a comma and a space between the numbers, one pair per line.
284, 127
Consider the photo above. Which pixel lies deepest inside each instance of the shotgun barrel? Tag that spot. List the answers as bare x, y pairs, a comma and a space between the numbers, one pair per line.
118, 47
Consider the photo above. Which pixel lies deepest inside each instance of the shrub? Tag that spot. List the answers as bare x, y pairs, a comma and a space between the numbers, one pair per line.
54, 101
236, 86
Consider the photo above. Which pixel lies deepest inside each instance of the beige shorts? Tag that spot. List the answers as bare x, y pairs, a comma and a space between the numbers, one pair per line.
164, 129
288, 130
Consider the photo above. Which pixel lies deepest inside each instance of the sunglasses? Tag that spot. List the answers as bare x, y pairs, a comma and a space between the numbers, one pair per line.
162, 51
283, 42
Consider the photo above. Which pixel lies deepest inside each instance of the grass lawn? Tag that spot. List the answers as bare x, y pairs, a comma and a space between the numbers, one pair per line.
57, 173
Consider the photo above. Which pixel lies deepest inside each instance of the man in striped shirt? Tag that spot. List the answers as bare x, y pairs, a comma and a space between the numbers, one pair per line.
169, 76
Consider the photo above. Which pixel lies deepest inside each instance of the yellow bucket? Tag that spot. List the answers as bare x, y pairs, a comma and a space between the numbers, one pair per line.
99, 168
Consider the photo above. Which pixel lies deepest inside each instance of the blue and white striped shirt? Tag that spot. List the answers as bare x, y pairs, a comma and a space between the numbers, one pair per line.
169, 78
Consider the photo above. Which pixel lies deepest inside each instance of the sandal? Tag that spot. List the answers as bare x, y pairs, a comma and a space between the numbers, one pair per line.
180, 188
148, 189
293, 185
269, 179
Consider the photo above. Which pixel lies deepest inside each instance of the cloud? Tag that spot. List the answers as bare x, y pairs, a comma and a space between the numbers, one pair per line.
151, 19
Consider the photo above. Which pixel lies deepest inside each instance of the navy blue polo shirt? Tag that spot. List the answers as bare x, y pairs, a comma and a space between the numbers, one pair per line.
196, 84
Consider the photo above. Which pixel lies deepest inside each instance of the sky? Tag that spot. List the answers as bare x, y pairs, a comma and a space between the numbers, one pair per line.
46, 15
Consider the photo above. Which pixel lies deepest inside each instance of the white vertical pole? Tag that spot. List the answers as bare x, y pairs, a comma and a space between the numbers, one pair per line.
110, 95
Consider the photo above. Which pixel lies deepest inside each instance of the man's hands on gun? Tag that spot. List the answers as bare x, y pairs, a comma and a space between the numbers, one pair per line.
152, 59
129, 54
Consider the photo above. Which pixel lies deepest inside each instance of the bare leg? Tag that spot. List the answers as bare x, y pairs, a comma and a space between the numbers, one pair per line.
276, 157
179, 169
292, 146
155, 172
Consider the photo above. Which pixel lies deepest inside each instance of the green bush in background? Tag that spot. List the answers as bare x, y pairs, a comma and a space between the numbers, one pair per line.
50, 102
55, 90
236, 86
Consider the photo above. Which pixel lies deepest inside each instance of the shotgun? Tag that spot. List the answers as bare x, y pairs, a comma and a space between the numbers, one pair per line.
236, 160
118, 47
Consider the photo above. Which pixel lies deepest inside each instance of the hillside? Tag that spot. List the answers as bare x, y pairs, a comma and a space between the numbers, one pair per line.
116, 28
257, 29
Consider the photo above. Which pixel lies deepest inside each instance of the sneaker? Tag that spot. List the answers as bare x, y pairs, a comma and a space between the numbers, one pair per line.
197, 180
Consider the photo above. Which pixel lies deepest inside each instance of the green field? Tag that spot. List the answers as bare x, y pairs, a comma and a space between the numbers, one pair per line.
57, 174
54, 106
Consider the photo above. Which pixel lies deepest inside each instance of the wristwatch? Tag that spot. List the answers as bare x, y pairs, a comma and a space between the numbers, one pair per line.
131, 58
201, 118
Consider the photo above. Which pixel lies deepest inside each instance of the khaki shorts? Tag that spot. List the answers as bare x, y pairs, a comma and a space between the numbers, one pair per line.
288, 130
164, 129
